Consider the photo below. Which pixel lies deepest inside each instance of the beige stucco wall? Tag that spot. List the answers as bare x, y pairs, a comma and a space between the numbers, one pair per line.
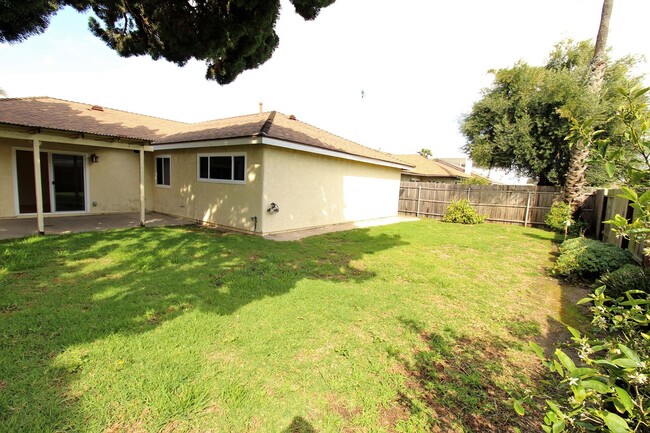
313, 190
113, 182
224, 204
7, 206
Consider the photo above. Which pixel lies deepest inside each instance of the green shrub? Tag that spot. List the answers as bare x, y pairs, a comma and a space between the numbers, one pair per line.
556, 219
462, 212
627, 277
589, 259
558, 216
475, 180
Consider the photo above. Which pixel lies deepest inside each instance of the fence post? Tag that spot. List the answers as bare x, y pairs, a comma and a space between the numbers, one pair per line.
527, 210
417, 213
469, 191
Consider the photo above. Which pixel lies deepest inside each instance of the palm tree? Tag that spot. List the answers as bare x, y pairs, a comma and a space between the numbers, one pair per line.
574, 193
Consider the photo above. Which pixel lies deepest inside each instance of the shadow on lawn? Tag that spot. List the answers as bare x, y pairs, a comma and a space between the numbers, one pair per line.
455, 384
299, 425
60, 291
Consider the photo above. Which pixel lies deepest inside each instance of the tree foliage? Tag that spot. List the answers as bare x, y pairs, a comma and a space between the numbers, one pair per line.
231, 36
521, 121
475, 180
425, 153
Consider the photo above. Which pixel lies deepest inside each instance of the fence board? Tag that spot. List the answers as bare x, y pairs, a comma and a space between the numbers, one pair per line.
611, 205
510, 204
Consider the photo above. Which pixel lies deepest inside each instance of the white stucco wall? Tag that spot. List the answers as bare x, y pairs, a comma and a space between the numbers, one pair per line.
313, 190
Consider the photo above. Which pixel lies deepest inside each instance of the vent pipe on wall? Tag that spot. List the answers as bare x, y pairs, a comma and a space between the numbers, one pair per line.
261, 107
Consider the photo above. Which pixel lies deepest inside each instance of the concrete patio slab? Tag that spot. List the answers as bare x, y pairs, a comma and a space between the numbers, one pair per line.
18, 228
301, 234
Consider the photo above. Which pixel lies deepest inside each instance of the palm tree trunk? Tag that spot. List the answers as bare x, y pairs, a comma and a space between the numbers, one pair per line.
574, 193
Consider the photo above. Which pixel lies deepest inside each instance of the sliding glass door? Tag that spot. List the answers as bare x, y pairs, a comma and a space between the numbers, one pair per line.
68, 180
63, 181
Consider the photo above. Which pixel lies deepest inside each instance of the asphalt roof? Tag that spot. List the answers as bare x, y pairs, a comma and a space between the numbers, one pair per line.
75, 117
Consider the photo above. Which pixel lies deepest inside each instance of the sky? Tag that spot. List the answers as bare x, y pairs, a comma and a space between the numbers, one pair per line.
419, 64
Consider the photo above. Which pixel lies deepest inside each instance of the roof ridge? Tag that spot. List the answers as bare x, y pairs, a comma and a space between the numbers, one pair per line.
338, 136
91, 105
267, 125
230, 117
458, 167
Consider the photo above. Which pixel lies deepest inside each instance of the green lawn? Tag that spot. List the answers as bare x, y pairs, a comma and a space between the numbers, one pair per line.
410, 327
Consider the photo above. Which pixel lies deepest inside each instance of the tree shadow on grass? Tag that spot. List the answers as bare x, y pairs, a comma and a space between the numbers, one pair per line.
58, 292
455, 384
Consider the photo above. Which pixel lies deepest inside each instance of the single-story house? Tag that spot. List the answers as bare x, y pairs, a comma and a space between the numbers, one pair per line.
261, 173
431, 170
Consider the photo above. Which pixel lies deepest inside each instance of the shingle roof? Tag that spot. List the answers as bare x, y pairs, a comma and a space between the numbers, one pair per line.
431, 167
58, 114
52, 113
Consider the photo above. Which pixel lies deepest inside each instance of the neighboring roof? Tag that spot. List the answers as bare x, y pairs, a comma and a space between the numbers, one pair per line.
62, 115
460, 162
431, 167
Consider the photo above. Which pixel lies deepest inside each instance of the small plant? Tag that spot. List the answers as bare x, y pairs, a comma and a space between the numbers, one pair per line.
559, 217
589, 259
627, 277
463, 213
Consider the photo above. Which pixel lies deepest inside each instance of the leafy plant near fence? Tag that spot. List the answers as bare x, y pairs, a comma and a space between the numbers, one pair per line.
609, 390
560, 219
462, 212
587, 258
475, 180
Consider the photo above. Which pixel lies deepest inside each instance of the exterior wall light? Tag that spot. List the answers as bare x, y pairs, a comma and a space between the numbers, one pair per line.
94, 158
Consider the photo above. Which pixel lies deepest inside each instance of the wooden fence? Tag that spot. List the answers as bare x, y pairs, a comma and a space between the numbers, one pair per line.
608, 204
509, 204
517, 204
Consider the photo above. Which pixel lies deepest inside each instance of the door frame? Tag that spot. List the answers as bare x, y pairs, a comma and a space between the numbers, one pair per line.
50, 174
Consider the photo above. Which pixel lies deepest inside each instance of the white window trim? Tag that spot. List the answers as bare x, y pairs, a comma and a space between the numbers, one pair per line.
232, 174
156, 172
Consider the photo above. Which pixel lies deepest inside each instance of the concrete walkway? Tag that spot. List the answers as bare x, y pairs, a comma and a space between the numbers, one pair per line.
22, 227
18, 228
301, 234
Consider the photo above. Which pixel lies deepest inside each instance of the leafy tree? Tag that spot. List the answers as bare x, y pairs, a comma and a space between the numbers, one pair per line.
2, 93
231, 36
425, 152
475, 180
521, 121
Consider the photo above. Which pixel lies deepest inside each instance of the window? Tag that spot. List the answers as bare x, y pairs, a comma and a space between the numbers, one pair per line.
222, 168
163, 167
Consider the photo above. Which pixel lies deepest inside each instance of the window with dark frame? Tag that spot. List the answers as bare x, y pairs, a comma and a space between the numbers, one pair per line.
163, 170
222, 167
